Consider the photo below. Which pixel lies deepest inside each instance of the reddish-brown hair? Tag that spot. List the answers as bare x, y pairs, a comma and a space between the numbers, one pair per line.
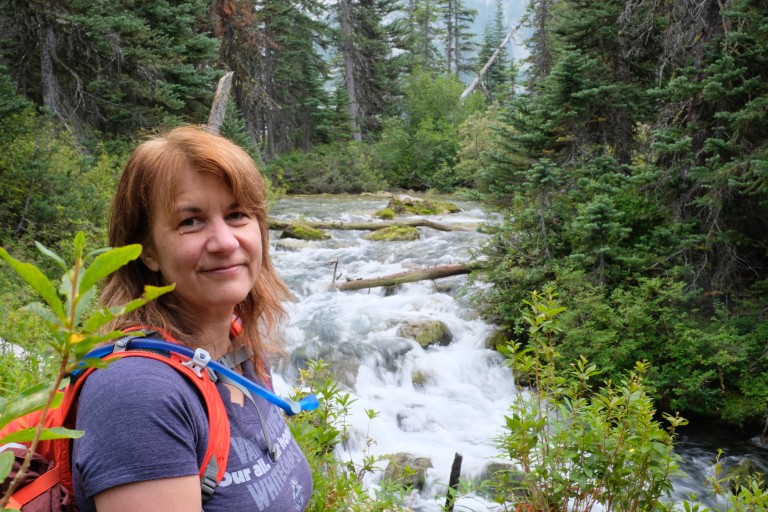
150, 182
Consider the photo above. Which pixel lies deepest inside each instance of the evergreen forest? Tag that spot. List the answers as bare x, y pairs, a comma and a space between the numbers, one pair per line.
627, 151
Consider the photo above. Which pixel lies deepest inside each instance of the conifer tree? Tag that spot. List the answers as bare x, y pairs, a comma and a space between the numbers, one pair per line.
112, 64
279, 74
423, 32
496, 79
367, 37
459, 41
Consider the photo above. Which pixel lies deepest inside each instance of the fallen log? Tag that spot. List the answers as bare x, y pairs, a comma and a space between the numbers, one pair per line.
369, 226
408, 276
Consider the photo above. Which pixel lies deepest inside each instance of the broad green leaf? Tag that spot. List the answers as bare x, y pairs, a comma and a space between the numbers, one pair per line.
44, 313
31, 399
99, 318
103, 316
79, 244
153, 292
97, 252
106, 263
6, 464
86, 344
93, 362
37, 280
28, 434
55, 257
83, 303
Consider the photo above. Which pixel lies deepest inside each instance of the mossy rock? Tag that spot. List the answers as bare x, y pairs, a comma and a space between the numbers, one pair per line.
426, 334
403, 204
385, 214
303, 232
394, 234
501, 481
407, 471
496, 339
740, 473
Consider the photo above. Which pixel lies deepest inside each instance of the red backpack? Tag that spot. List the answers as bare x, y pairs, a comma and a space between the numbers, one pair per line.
47, 485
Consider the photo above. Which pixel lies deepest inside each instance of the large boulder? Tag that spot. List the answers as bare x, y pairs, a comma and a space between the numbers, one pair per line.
407, 471
427, 333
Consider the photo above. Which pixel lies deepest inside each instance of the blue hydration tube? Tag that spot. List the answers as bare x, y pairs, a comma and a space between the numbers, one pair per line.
201, 359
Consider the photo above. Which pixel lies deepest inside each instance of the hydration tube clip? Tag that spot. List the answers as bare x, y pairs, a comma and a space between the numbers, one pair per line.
198, 362
121, 344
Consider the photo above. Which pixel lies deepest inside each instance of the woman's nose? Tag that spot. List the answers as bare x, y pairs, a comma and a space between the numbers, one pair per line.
221, 237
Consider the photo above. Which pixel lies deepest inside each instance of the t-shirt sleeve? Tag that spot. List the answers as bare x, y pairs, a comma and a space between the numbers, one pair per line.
142, 421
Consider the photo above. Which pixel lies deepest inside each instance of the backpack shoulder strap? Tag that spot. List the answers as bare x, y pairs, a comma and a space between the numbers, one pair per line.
214, 463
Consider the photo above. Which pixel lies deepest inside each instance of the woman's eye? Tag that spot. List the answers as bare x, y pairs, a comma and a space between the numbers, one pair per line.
237, 215
190, 222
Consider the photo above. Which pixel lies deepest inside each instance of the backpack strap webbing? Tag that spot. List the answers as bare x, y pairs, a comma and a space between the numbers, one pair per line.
35, 489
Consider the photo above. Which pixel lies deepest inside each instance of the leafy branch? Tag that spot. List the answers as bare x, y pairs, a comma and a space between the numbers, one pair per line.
74, 327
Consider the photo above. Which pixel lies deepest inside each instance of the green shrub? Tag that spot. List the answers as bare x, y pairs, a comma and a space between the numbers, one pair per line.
338, 480
327, 169
580, 445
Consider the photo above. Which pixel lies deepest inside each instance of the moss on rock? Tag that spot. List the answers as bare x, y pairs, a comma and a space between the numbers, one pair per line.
394, 234
385, 214
403, 204
303, 232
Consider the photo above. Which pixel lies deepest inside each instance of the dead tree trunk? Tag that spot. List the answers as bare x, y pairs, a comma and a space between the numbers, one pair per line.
482, 72
219, 105
409, 276
368, 226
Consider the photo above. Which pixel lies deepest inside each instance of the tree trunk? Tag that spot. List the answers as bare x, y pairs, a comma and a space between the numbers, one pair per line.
50, 82
367, 226
219, 105
409, 276
487, 66
348, 53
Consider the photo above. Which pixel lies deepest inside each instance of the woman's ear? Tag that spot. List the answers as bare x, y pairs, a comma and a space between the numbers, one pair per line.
148, 258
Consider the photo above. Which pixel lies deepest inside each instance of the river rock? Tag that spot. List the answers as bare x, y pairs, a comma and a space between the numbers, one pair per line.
403, 204
495, 339
501, 481
302, 232
427, 333
394, 234
343, 360
740, 473
407, 471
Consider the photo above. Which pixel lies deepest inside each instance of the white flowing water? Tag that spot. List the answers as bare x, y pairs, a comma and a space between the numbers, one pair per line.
462, 391
460, 406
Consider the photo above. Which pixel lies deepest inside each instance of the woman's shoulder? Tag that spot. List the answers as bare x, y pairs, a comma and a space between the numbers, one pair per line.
132, 380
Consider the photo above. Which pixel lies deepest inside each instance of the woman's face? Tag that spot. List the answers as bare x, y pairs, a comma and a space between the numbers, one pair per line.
209, 246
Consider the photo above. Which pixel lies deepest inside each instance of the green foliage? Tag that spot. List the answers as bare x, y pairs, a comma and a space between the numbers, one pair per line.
71, 332
50, 186
580, 445
338, 483
418, 149
136, 65
327, 169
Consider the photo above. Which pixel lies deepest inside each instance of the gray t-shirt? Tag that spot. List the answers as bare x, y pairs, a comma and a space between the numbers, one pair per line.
145, 421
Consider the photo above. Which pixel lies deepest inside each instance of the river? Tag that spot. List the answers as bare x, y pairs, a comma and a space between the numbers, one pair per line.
461, 391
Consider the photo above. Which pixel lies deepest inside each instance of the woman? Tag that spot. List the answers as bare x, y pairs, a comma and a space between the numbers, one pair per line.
197, 204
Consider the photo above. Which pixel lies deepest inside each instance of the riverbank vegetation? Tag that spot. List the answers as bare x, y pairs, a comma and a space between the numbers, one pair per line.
627, 152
